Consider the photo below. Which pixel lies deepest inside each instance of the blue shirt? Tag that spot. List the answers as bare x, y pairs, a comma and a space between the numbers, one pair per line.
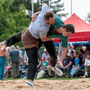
14, 54
76, 61
39, 28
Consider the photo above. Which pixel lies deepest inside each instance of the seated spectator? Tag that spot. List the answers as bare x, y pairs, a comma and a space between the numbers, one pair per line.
66, 65
82, 55
45, 70
44, 63
70, 50
72, 54
46, 55
87, 64
76, 64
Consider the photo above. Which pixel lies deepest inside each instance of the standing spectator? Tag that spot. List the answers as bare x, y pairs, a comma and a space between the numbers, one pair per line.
2, 60
16, 60
21, 52
76, 64
87, 64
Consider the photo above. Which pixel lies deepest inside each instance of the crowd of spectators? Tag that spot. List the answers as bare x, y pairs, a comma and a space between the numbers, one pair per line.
74, 64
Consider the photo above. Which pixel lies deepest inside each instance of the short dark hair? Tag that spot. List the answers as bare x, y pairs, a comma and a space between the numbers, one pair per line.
77, 53
69, 28
47, 15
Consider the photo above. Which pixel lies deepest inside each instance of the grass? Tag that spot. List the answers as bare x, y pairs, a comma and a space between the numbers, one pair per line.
61, 78
6, 79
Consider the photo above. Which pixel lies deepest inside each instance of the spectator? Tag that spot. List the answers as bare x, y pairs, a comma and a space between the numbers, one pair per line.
2, 60
7, 50
45, 70
46, 55
16, 61
66, 66
76, 64
82, 55
71, 49
21, 52
87, 64
44, 64
72, 54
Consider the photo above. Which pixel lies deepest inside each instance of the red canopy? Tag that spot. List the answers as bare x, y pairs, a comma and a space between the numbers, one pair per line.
82, 29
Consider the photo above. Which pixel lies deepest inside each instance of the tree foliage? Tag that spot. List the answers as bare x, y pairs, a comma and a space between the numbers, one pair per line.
13, 17
11, 22
56, 6
88, 18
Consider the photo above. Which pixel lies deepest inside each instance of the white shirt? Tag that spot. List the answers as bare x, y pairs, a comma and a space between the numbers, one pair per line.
87, 62
39, 28
69, 52
44, 55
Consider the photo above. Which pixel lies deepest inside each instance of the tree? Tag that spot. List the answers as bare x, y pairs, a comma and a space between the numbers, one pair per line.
88, 18
28, 5
56, 6
11, 22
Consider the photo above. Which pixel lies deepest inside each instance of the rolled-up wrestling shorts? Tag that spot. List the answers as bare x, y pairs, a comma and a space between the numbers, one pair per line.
28, 40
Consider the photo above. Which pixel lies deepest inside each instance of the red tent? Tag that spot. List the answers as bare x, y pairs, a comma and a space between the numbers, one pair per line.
82, 29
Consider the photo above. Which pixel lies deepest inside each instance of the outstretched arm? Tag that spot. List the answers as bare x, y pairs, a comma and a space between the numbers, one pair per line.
64, 53
46, 39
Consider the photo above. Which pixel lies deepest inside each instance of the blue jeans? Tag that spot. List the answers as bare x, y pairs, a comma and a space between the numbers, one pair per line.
2, 63
68, 69
74, 71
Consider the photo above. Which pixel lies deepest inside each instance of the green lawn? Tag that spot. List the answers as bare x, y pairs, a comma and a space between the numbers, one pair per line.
6, 79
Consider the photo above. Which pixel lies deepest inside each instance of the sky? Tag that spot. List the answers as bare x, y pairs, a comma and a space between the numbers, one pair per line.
80, 7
